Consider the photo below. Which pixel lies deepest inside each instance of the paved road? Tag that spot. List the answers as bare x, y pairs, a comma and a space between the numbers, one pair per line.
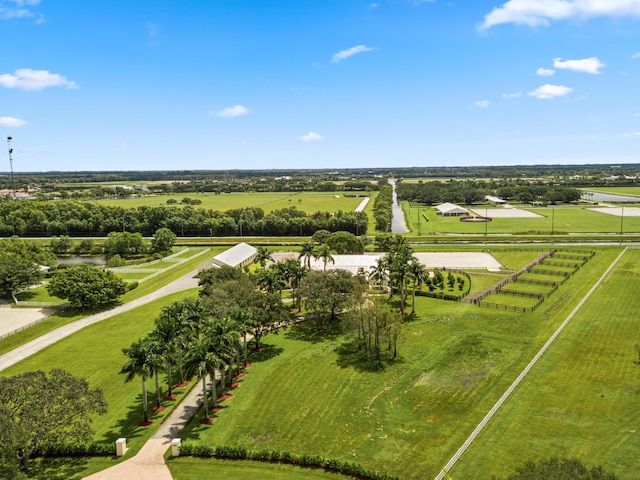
185, 282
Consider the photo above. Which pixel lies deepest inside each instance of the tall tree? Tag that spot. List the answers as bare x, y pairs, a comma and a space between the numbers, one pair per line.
323, 252
263, 256
163, 241
326, 292
17, 273
86, 286
307, 250
139, 364
201, 360
418, 274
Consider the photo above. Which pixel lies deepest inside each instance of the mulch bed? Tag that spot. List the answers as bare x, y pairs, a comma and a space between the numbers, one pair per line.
226, 396
181, 385
173, 396
206, 421
143, 423
159, 409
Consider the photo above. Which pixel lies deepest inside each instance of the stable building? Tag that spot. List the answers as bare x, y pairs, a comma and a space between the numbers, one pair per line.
238, 256
495, 200
451, 210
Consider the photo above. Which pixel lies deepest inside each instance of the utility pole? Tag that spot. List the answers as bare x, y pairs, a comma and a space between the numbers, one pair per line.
13, 180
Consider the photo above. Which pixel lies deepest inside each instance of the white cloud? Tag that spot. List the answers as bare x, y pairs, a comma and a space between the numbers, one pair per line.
350, 52
152, 29
636, 114
543, 12
634, 134
636, 55
511, 95
11, 9
235, 111
11, 122
545, 72
482, 103
587, 65
550, 91
27, 79
373, 5
311, 137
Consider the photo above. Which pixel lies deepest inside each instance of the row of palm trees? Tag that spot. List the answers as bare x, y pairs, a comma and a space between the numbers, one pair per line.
186, 336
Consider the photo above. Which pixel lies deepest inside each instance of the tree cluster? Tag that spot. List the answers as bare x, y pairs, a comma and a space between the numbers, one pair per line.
37, 409
468, 192
20, 262
382, 207
86, 286
41, 219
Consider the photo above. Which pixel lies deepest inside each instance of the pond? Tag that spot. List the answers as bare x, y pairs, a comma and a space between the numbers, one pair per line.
99, 260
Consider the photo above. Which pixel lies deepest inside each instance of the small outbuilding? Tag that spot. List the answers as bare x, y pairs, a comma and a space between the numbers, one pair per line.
495, 200
451, 210
238, 256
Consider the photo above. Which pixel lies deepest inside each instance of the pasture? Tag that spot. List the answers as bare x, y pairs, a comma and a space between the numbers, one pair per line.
308, 202
309, 392
560, 220
581, 399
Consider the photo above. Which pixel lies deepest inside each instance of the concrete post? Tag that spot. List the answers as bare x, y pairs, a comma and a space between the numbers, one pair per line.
175, 447
121, 447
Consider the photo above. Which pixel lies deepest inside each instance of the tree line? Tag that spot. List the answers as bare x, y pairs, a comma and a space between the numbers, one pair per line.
42, 219
470, 192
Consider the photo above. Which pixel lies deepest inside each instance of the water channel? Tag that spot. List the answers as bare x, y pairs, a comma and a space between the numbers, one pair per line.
98, 260
398, 223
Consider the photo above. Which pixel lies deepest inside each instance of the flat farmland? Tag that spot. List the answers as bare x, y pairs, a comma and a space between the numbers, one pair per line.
581, 399
560, 220
308, 202
307, 392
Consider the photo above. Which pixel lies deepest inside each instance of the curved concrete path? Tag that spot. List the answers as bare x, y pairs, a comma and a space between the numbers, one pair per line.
187, 281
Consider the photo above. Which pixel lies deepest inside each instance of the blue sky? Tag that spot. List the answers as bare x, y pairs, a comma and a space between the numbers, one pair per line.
150, 85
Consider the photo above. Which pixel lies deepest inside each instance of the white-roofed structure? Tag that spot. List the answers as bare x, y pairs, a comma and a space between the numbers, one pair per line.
451, 210
351, 263
495, 200
237, 256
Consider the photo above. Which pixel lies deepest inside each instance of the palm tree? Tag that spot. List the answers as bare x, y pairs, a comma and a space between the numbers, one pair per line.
379, 272
272, 279
223, 338
200, 360
307, 251
418, 274
263, 256
167, 335
138, 364
324, 252
295, 273
156, 351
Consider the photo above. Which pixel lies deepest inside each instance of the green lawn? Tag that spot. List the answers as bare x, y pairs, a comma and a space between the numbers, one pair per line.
308, 202
582, 398
526, 287
189, 468
308, 393
95, 353
563, 219
71, 315
38, 294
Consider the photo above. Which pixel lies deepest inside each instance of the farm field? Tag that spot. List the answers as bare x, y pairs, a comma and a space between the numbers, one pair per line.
581, 398
308, 393
564, 219
308, 202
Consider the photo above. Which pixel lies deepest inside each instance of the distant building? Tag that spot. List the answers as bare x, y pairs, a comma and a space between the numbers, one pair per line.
494, 200
238, 256
451, 210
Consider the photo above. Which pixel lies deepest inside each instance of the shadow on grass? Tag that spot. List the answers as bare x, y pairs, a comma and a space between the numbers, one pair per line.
266, 352
309, 330
58, 468
349, 356
128, 426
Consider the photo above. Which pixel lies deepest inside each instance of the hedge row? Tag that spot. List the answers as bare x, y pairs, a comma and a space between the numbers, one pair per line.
308, 461
75, 450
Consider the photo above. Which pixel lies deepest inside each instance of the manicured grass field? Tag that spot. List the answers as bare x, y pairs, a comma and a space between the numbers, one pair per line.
309, 393
308, 202
38, 294
189, 468
561, 220
71, 315
581, 399
95, 353
527, 287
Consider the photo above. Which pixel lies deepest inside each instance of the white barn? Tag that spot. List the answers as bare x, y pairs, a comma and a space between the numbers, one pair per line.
239, 256
451, 210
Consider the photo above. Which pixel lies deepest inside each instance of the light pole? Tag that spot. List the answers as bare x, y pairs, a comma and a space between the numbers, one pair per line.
553, 219
621, 223
419, 215
486, 221
13, 180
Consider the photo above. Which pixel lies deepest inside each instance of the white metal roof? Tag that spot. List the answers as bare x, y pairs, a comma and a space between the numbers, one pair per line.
351, 263
235, 255
450, 207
